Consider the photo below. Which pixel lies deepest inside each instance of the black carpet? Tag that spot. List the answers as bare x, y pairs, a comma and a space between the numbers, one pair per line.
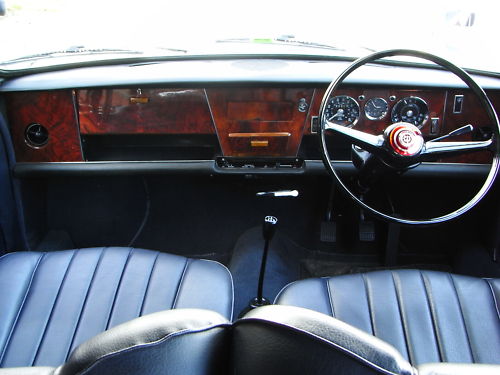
283, 266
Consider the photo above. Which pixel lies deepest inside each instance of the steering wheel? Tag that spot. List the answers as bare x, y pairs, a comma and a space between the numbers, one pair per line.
402, 145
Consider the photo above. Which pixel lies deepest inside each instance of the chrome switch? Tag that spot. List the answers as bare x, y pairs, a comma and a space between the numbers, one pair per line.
458, 103
434, 125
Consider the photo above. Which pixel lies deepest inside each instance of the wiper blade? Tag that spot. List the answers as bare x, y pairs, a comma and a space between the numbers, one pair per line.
280, 40
293, 41
71, 51
81, 50
286, 40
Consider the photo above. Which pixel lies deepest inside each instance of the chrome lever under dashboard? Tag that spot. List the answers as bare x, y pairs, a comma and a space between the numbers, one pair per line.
278, 193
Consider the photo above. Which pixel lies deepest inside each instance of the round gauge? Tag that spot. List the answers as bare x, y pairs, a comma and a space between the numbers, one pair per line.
342, 110
412, 110
376, 108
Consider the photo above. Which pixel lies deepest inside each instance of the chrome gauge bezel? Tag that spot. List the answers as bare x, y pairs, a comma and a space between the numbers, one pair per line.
356, 104
369, 117
416, 98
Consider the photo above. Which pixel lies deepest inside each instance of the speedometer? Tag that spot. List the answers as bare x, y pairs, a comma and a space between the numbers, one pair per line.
412, 109
342, 110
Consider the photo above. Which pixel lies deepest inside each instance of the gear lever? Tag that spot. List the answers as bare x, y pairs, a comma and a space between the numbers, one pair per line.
268, 230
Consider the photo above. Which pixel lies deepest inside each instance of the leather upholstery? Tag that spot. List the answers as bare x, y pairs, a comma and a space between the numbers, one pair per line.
457, 369
27, 371
180, 341
52, 302
428, 316
184, 341
291, 340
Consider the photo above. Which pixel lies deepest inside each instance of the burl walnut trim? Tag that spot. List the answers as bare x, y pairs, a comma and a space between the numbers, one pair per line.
55, 110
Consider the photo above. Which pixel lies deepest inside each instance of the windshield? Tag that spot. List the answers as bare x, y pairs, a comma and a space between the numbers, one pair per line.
38, 33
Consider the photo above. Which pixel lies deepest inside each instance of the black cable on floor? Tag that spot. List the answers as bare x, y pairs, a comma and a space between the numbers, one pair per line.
146, 213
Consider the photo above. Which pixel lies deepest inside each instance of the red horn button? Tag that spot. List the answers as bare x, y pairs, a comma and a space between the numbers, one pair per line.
406, 140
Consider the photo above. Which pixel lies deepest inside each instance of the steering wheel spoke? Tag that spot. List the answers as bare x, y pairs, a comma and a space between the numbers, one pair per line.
436, 150
368, 142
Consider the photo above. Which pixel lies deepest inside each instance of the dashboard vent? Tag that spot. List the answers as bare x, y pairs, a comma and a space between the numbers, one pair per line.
36, 135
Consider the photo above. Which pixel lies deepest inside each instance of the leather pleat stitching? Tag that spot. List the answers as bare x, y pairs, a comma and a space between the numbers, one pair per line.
13, 328
402, 317
369, 301
432, 311
494, 297
148, 283
330, 297
179, 285
89, 287
47, 323
463, 317
118, 287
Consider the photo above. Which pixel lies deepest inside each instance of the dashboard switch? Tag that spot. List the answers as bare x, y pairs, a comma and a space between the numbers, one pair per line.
314, 124
458, 103
434, 125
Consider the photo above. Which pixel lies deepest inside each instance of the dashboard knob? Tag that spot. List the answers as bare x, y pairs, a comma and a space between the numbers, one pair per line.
36, 135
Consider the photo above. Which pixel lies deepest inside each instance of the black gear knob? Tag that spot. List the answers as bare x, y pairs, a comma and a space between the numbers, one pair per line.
269, 227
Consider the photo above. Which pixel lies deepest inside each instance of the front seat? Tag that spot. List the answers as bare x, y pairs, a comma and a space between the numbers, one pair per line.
174, 342
52, 302
295, 341
428, 316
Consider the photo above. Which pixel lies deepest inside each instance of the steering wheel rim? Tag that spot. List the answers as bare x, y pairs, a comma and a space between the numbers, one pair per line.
448, 66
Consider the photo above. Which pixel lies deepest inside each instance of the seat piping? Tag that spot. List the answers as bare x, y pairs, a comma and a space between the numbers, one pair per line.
330, 298
494, 297
118, 287
369, 302
54, 304
432, 311
13, 328
463, 317
149, 282
402, 317
84, 305
177, 292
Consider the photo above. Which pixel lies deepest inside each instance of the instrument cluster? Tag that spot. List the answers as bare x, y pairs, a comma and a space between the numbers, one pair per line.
345, 110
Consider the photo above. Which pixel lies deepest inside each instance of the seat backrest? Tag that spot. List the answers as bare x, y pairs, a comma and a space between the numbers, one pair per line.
292, 340
52, 302
428, 316
269, 340
182, 341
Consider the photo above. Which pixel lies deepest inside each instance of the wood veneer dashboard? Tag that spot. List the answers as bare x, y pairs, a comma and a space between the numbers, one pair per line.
239, 122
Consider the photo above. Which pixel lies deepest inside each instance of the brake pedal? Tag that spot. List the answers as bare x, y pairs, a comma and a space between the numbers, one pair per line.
328, 231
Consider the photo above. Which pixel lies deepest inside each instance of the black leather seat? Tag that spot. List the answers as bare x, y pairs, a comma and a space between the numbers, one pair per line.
428, 316
51, 302
295, 341
175, 342
292, 340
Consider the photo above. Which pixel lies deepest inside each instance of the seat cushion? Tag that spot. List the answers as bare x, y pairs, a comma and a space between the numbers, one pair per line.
428, 316
51, 302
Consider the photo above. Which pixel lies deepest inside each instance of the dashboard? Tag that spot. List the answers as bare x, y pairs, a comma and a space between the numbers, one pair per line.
252, 121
